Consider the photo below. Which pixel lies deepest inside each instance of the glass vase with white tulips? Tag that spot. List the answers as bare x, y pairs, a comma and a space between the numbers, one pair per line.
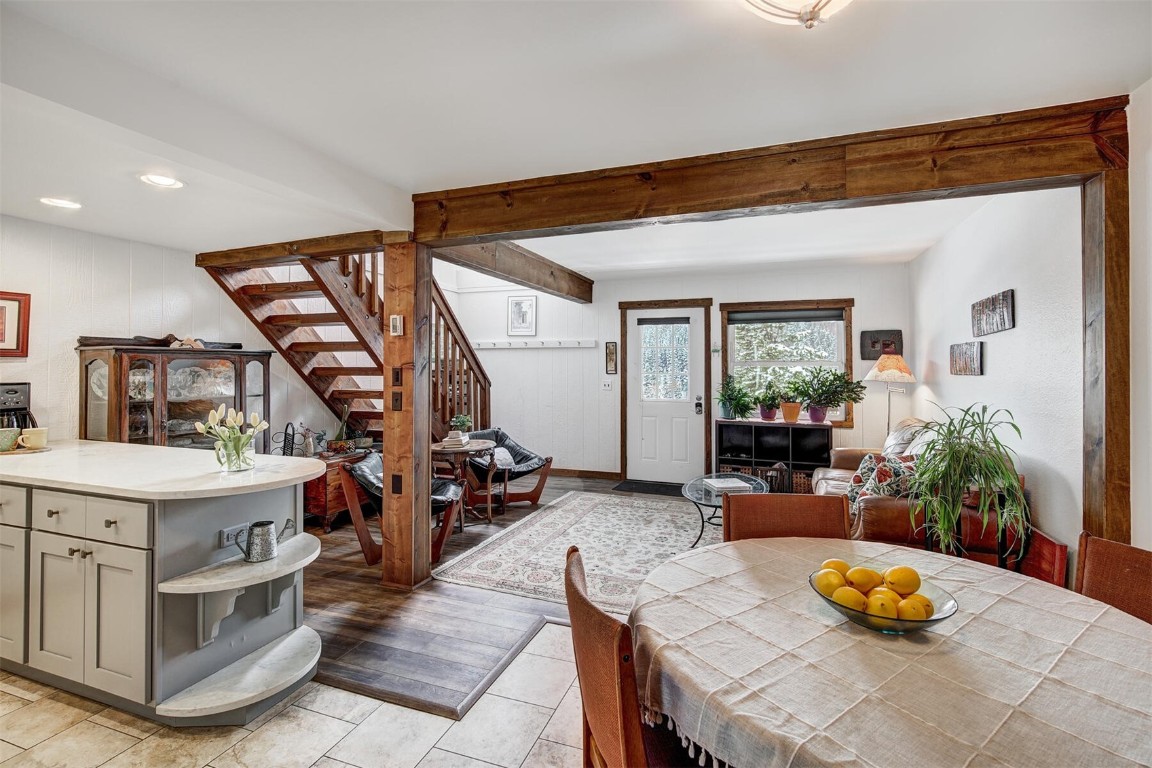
235, 438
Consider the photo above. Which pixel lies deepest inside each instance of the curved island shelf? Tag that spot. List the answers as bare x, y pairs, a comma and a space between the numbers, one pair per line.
235, 573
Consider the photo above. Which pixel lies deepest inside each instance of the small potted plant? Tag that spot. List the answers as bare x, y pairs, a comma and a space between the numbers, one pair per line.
461, 422
768, 400
793, 394
826, 388
735, 401
235, 437
964, 463
341, 441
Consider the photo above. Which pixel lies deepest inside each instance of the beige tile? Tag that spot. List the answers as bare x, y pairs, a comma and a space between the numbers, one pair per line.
84, 745
549, 754
28, 726
125, 723
8, 751
179, 748
391, 737
295, 737
567, 723
280, 706
334, 702
497, 730
535, 680
554, 641
438, 758
25, 688
10, 703
327, 762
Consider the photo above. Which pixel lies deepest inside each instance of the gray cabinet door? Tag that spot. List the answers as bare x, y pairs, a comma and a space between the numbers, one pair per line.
56, 605
13, 591
116, 609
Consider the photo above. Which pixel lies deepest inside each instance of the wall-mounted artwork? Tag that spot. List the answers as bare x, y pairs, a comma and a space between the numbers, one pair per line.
994, 314
876, 343
966, 359
610, 366
521, 315
15, 309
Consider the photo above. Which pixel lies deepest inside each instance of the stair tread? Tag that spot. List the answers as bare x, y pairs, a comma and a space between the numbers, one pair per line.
346, 370
306, 319
325, 346
354, 393
301, 289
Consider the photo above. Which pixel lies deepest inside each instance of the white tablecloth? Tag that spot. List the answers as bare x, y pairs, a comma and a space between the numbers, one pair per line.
751, 666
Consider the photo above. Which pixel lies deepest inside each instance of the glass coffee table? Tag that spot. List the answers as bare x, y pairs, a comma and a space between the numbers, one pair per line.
702, 496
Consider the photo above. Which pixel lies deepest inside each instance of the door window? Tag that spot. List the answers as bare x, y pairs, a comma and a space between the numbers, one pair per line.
664, 358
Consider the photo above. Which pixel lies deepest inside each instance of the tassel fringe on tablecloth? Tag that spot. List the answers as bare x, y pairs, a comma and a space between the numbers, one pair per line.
704, 758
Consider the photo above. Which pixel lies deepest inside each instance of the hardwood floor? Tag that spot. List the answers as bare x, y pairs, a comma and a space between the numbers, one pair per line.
436, 648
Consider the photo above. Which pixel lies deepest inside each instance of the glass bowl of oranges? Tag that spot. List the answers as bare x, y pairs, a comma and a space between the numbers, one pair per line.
893, 600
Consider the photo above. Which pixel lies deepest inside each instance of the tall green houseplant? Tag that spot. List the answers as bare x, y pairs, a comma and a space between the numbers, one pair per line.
735, 401
964, 460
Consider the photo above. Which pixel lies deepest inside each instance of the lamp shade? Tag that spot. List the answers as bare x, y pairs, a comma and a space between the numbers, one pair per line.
891, 368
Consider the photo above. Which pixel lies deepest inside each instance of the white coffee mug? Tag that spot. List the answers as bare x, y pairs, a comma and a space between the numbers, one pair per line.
34, 438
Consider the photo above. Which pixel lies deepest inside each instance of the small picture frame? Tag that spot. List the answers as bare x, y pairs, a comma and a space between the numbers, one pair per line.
876, 343
15, 309
966, 359
521, 315
610, 366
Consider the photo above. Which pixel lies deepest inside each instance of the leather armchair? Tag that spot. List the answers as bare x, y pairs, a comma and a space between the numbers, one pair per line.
519, 462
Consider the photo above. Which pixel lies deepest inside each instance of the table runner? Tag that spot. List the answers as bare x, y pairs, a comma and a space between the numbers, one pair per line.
754, 669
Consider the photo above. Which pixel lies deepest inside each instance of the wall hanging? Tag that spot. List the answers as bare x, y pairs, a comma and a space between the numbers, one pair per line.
876, 343
966, 359
521, 315
14, 311
610, 358
994, 314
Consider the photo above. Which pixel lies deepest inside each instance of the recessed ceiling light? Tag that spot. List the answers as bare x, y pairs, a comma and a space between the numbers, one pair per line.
57, 202
157, 180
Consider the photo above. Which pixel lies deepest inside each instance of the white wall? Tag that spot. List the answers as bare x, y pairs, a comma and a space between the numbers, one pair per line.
92, 285
551, 400
1029, 242
1140, 191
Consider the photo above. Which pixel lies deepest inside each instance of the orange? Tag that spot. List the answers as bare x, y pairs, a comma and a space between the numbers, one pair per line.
901, 579
882, 605
910, 609
827, 581
929, 609
863, 579
884, 591
836, 565
850, 598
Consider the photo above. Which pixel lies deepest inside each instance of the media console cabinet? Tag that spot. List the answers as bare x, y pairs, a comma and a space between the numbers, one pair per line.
115, 583
754, 446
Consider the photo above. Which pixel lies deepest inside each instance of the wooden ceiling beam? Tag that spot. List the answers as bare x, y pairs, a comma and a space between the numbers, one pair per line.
294, 250
516, 264
1053, 146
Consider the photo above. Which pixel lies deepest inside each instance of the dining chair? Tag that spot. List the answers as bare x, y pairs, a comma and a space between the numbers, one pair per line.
768, 515
1115, 573
614, 735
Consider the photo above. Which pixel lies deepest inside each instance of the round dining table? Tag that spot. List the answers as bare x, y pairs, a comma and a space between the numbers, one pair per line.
737, 653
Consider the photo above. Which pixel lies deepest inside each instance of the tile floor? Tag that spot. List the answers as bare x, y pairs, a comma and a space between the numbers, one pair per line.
529, 717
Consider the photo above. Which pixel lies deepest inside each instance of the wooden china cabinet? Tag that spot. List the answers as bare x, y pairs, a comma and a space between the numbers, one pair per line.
155, 395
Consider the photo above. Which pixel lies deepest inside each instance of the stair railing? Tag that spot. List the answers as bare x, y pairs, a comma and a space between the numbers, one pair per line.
367, 275
460, 385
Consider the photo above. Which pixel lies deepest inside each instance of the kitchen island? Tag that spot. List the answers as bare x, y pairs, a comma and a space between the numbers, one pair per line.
117, 582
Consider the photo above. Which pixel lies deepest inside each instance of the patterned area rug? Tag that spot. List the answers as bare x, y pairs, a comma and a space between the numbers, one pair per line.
622, 539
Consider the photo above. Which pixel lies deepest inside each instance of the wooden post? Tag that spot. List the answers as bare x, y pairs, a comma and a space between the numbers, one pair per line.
405, 520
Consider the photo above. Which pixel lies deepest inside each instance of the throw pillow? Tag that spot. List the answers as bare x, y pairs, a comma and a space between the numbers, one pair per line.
892, 477
860, 479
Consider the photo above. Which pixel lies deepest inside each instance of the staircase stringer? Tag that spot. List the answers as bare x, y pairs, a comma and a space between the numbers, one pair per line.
356, 310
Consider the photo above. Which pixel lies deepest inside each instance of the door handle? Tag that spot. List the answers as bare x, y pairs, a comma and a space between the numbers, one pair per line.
85, 554
109, 523
53, 512
73, 551
699, 409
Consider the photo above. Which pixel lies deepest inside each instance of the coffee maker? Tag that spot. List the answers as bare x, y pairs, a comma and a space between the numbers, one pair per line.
15, 400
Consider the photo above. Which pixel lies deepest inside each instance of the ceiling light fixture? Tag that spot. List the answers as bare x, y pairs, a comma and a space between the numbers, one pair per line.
59, 203
809, 13
156, 180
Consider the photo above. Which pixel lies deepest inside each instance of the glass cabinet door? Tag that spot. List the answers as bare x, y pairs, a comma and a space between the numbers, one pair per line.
96, 400
195, 387
141, 401
254, 398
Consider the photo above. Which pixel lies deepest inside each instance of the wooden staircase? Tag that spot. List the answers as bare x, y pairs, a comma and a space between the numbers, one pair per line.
331, 329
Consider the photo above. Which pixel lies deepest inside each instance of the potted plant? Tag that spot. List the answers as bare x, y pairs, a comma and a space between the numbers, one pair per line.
340, 442
768, 401
826, 388
793, 392
735, 401
964, 463
461, 422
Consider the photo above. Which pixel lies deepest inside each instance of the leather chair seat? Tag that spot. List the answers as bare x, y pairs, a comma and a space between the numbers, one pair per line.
445, 493
518, 462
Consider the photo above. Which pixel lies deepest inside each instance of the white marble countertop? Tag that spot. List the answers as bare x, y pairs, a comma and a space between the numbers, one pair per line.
148, 471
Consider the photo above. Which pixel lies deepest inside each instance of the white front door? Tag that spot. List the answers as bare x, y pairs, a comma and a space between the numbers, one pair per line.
665, 385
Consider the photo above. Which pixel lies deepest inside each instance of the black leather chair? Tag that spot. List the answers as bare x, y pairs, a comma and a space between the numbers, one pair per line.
513, 461
446, 499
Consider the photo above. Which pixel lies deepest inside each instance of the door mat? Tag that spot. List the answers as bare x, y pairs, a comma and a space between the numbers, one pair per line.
645, 486
622, 539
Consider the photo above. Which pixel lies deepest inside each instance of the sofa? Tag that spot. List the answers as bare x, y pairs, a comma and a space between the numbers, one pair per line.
890, 518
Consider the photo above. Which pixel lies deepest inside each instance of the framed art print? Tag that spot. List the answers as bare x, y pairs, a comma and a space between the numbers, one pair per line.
14, 312
610, 366
521, 315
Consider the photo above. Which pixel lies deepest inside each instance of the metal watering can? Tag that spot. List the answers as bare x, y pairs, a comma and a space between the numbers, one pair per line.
261, 539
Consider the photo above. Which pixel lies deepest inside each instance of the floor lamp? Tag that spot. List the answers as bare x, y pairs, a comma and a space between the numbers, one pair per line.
891, 369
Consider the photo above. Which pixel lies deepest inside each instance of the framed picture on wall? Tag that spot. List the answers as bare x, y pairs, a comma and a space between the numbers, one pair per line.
14, 312
521, 315
610, 366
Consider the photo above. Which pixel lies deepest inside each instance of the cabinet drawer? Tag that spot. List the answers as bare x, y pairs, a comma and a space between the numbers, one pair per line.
118, 522
14, 505
58, 512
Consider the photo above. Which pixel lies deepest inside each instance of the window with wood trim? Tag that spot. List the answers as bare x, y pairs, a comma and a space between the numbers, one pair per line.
765, 341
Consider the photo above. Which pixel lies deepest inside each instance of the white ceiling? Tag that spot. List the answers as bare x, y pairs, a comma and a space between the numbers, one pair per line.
293, 119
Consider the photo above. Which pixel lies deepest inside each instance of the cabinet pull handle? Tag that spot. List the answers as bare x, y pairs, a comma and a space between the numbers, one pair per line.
85, 554
53, 512
109, 523
73, 550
